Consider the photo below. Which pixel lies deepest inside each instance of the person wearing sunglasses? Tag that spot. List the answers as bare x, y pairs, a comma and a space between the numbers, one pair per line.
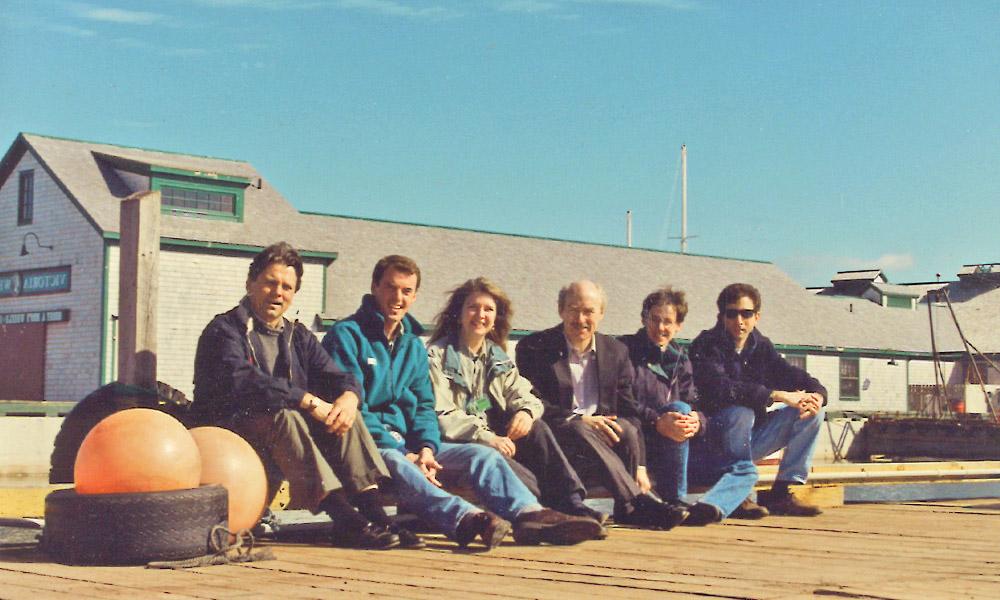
739, 375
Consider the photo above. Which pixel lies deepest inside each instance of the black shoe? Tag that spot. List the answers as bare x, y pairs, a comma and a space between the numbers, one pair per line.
787, 505
369, 537
582, 510
554, 527
650, 512
702, 514
748, 509
490, 528
408, 539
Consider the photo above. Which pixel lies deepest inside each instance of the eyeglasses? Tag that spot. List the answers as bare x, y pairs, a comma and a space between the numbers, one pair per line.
746, 313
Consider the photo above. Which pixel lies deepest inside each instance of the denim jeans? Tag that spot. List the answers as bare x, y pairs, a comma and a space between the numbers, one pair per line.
667, 460
480, 467
725, 456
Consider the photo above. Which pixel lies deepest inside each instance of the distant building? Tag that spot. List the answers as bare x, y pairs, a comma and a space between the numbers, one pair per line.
59, 211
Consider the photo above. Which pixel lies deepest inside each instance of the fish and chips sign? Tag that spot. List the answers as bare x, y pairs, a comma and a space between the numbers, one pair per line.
35, 282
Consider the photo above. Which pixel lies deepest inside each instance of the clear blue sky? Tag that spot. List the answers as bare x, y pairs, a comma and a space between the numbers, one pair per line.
821, 136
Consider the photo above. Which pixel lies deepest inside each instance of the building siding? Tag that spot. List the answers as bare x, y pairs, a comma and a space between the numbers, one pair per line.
71, 365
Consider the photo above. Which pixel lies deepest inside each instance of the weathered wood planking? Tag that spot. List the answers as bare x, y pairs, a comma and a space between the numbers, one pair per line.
911, 551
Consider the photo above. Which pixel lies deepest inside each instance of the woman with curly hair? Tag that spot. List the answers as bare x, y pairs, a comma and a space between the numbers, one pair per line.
483, 399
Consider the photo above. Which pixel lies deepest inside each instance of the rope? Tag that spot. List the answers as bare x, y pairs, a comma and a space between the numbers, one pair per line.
223, 553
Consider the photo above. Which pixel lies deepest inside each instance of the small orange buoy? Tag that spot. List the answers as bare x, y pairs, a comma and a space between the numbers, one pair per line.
137, 450
227, 459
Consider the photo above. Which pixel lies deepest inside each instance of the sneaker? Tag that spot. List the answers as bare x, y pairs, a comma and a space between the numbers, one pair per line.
490, 528
748, 509
650, 512
368, 537
787, 505
702, 514
554, 527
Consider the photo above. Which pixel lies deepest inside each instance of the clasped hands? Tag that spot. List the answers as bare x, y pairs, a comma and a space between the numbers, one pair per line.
808, 403
337, 416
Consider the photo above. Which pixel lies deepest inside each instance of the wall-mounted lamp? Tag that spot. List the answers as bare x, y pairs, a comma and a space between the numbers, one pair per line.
38, 242
892, 362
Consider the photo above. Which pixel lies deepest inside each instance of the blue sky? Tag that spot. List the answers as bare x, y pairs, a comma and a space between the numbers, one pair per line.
821, 136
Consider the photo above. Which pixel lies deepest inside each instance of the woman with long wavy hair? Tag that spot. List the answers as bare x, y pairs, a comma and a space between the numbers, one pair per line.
483, 399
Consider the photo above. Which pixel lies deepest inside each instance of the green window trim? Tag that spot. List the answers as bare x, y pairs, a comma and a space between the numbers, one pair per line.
234, 189
26, 197
850, 379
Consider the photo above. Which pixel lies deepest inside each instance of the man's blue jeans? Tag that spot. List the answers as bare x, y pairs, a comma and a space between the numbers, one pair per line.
480, 467
667, 460
725, 455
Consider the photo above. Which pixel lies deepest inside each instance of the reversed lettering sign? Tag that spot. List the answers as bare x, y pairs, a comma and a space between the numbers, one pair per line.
45, 281
10, 284
42, 316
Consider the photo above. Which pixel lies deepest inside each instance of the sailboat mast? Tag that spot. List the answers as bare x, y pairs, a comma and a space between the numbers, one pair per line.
684, 199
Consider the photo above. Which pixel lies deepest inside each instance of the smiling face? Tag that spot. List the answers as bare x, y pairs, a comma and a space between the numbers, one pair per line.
581, 315
740, 318
661, 324
271, 292
394, 293
479, 313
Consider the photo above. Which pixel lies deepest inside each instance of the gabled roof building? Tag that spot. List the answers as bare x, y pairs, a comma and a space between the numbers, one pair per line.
59, 212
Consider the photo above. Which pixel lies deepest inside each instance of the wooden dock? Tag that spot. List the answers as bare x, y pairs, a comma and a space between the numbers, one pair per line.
871, 551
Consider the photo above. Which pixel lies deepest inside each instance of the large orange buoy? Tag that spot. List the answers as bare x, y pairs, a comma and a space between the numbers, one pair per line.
137, 450
227, 459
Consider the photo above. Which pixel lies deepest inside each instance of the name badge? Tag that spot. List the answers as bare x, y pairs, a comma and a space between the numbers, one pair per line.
372, 361
482, 404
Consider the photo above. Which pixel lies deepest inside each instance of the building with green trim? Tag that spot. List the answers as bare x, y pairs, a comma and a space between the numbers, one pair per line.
59, 201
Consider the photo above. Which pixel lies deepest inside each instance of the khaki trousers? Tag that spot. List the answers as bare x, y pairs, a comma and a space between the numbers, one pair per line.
314, 461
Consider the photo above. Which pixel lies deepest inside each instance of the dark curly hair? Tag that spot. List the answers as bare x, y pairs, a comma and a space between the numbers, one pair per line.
665, 295
280, 252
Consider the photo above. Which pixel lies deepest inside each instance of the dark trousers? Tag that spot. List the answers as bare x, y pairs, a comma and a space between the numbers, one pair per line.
543, 467
594, 456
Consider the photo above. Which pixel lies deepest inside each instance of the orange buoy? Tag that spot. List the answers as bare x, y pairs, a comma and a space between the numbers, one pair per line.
137, 450
228, 460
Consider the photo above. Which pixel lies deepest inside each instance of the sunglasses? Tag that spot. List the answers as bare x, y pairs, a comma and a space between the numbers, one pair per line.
746, 313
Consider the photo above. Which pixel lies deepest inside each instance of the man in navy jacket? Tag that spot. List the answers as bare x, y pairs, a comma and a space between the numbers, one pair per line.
270, 381
739, 374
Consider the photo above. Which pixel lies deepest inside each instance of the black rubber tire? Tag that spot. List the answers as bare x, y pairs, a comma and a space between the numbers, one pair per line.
132, 529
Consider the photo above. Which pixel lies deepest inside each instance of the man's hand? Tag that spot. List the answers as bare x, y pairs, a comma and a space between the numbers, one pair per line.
642, 480
678, 426
426, 463
605, 424
504, 445
342, 413
808, 403
519, 426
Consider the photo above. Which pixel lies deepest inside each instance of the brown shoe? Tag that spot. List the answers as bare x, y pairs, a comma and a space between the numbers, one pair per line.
553, 527
748, 509
490, 528
787, 505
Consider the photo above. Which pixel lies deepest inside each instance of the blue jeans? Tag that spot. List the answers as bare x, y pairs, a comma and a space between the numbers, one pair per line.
734, 440
667, 460
480, 467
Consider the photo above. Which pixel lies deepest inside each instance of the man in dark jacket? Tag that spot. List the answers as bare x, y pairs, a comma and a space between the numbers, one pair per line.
664, 390
270, 381
584, 379
739, 374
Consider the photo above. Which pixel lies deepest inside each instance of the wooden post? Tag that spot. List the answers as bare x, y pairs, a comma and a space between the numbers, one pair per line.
138, 288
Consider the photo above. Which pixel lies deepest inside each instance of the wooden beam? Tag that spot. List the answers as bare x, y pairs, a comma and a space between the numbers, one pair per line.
138, 288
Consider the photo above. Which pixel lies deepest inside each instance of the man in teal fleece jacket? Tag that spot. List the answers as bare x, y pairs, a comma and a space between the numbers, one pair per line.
380, 346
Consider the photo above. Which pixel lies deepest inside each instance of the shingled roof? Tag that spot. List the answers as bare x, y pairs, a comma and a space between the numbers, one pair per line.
530, 269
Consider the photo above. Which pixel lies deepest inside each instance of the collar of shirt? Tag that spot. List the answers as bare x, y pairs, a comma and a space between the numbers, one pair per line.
591, 349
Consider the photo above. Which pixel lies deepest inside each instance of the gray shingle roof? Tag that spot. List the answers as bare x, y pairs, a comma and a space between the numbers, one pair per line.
531, 270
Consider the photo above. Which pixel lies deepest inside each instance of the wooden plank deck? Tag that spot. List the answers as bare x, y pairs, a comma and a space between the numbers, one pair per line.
874, 551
